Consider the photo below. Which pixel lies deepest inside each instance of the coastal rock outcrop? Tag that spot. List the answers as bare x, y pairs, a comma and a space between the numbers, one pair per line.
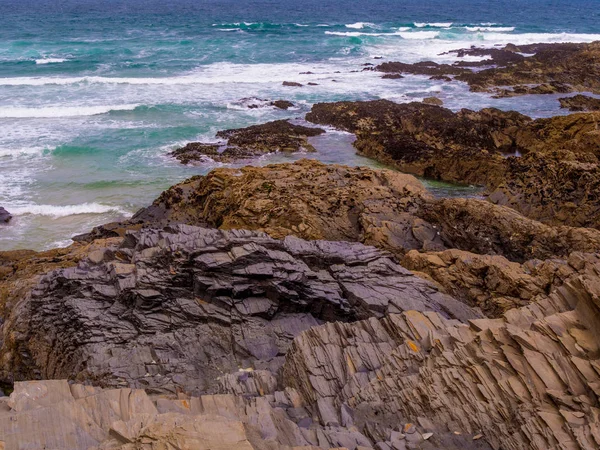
525, 69
552, 182
5, 216
527, 380
179, 308
580, 103
244, 143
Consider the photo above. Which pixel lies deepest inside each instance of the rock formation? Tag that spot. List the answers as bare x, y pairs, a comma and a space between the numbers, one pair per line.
244, 143
526, 380
580, 103
548, 69
5, 216
553, 182
177, 309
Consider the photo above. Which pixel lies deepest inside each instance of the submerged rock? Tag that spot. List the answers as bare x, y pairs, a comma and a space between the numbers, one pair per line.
5, 216
292, 84
253, 141
282, 104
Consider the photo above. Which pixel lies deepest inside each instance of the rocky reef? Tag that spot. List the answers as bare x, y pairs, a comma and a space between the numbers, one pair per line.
516, 70
253, 141
546, 169
580, 103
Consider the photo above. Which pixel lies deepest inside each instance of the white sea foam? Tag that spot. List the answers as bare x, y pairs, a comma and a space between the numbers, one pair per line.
50, 60
403, 34
419, 35
496, 29
359, 25
63, 211
6, 152
433, 24
61, 111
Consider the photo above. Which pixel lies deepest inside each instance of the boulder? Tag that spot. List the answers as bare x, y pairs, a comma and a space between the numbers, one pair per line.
282, 104
292, 84
5, 216
433, 101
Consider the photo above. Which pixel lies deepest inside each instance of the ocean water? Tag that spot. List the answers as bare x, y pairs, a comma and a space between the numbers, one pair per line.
95, 93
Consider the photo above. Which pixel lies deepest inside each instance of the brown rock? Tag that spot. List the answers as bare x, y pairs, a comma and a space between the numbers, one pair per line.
291, 84
253, 141
433, 101
580, 103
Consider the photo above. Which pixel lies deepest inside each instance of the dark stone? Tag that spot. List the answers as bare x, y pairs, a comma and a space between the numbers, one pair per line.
5, 216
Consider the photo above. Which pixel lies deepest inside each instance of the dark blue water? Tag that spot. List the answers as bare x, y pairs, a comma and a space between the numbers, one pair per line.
95, 93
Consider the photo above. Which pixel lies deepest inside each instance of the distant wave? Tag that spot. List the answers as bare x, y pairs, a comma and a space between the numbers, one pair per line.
403, 34
359, 25
61, 111
433, 24
50, 60
63, 211
496, 29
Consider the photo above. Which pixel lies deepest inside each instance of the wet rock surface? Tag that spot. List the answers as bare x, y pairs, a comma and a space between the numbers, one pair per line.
177, 309
517, 70
250, 142
552, 182
5, 216
580, 103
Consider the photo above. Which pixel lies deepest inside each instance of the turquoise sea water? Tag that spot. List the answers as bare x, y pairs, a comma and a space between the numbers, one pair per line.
94, 94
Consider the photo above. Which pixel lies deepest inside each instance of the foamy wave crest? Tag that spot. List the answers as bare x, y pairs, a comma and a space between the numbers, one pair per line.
419, 35
359, 25
535, 38
402, 34
4, 152
62, 111
50, 60
64, 211
497, 29
433, 24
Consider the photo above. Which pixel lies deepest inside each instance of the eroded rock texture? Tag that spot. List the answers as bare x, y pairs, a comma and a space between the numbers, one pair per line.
249, 142
529, 379
547, 69
554, 181
179, 308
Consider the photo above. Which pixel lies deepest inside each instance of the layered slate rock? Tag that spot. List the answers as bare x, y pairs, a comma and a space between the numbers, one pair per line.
527, 380
179, 308
253, 141
554, 181
516, 70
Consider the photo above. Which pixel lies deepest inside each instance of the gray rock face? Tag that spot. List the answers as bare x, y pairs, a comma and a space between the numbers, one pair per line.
5, 216
182, 307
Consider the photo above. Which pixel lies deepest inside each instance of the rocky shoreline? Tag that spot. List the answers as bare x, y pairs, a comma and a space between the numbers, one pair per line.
308, 305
